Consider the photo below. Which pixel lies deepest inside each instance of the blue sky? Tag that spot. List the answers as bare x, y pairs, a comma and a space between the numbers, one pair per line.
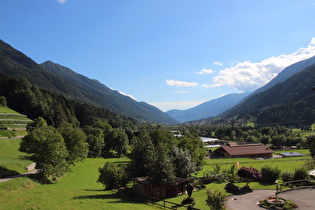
169, 53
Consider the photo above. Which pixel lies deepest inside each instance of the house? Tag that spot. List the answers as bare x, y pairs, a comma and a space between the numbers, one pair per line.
244, 150
144, 187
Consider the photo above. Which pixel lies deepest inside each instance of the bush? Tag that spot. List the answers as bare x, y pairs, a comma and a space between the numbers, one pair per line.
269, 174
300, 173
286, 176
215, 199
113, 176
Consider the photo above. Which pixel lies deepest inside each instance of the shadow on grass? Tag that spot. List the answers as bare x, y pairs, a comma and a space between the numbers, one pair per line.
5, 173
111, 198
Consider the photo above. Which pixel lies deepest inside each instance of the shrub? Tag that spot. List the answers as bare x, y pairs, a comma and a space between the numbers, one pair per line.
215, 199
269, 174
300, 173
286, 176
113, 176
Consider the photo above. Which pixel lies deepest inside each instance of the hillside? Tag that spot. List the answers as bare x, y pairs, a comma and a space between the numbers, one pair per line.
208, 109
286, 73
291, 102
12, 123
66, 82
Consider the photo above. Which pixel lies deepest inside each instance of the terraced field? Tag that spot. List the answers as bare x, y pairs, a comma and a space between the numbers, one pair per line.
12, 123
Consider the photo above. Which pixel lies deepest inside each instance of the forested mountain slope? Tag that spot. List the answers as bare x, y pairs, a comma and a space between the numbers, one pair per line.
208, 109
291, 102
65, 82
286, 73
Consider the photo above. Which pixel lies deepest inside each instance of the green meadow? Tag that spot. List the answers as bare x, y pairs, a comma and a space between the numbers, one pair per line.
79, 188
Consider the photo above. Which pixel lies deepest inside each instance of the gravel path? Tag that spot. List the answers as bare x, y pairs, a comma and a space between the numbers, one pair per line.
17, 176
304, 198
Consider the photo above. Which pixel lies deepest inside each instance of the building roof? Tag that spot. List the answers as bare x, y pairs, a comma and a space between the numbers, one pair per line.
247, 149
291, 154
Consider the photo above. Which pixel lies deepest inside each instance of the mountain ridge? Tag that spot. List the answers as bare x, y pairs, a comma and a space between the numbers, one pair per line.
16, 64
208, 109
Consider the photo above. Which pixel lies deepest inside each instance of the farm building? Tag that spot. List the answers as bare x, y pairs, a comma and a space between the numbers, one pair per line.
144, 186
244, 150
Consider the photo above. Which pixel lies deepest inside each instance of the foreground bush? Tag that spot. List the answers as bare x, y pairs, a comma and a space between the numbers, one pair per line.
215, 199
269, 174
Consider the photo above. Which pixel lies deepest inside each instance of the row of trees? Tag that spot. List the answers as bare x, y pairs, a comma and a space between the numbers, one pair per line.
276, 135
158, 155
54, 149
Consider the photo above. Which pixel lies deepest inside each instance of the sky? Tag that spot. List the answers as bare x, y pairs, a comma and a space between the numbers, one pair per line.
173, 54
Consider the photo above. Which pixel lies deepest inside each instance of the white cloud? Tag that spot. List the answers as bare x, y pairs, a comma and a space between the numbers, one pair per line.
182, 105
211, 85
181, 83
205, 71
62, 1
131, 96
218, 63
183, 91
248, 76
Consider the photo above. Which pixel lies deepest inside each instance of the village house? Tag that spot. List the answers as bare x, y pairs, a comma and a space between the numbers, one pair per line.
144, 187
244, 150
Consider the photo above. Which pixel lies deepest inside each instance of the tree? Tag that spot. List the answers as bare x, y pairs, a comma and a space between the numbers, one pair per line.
160, 167
182, 162
249, 174
75, 140
3, 101
95, 140
310, 141
37, 123
269, 174
117, 140
215, 199
48, 151
142, 150
113, 176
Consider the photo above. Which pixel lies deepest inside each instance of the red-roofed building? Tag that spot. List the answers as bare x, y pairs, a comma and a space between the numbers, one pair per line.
244, 150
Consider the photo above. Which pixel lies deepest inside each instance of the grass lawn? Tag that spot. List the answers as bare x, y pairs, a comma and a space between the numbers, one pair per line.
12, 161
77, 190
7, 110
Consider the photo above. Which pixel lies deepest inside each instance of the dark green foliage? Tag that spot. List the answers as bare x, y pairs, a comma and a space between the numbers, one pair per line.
183, 164
55, 109
75, 140
215, 199
3, 101
269, 174
286, 176
113, 176
49, 152
299, 174
310, 141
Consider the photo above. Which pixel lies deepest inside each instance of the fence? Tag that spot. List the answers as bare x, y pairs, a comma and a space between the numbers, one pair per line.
167, 204
296, 184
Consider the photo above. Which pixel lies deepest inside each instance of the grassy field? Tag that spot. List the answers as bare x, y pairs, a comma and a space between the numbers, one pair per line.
7, 110
12, 161
78, 189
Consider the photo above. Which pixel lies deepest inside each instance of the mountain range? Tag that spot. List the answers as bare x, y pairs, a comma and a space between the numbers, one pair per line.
61, 80
208, 109
288, 99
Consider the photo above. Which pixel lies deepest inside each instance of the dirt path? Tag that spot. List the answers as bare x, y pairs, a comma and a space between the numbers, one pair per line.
17, 176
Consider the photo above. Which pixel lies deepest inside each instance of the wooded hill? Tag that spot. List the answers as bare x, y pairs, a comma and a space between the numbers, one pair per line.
65, 82
291, 102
